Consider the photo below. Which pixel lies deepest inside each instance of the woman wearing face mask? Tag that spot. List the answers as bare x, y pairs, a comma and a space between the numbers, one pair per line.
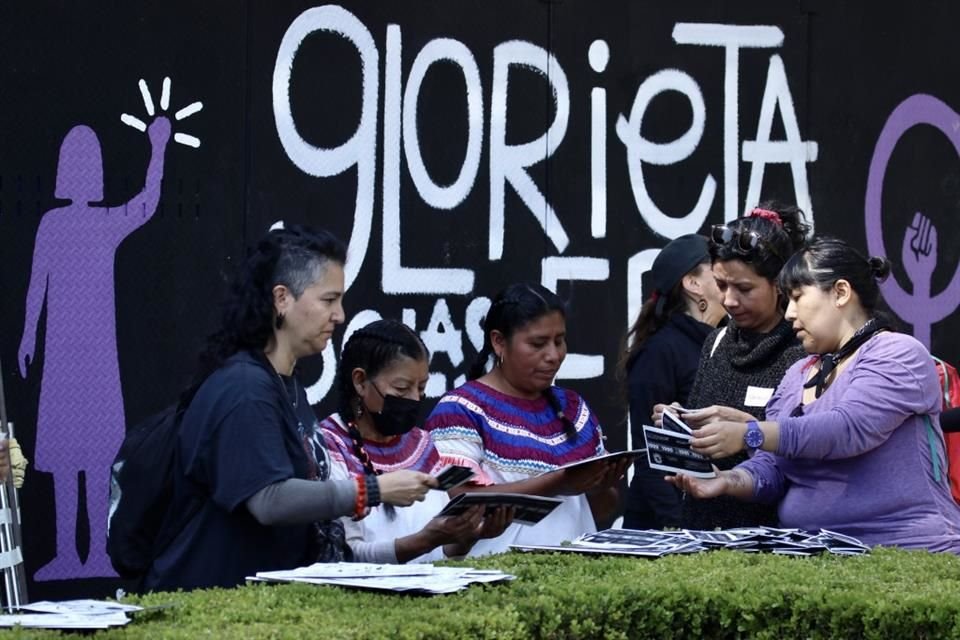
514, 428
382, 375
742, 364
851, 441
661, 361
252, 476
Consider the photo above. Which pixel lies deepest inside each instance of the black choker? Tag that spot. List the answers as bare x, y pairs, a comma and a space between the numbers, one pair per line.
829, 361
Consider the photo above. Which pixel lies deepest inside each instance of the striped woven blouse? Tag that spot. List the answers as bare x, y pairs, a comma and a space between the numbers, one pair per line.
507, 439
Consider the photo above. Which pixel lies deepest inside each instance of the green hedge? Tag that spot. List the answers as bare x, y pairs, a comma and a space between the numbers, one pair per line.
721, 594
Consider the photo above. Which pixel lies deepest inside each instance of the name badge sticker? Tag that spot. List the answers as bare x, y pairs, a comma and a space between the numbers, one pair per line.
757, 396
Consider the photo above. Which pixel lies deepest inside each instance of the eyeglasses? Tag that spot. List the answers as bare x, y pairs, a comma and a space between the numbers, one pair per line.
742, 241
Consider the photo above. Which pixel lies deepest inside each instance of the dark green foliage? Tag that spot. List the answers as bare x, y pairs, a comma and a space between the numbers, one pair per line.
721, 594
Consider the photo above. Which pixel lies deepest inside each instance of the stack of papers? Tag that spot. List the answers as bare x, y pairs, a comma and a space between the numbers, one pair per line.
397, 578
71, 614
654, 544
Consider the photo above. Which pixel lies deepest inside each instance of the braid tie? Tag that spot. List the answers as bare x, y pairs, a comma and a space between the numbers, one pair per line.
360, 452
568, 427
368, 468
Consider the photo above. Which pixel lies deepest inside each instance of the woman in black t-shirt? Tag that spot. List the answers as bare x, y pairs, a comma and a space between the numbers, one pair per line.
252, 470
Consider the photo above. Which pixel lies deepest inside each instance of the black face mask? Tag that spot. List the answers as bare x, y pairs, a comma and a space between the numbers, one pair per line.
398, 415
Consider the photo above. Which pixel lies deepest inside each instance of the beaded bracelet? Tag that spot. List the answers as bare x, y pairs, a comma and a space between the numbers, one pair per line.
360, 506
373, 490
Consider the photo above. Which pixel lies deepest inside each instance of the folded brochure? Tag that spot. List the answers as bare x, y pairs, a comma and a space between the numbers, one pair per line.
529, 509
614, 457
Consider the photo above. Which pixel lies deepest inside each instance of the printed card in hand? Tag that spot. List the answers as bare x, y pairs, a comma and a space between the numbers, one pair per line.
673, 423
670, 451
453, 476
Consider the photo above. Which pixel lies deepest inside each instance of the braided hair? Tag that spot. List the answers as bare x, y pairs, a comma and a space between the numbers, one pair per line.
372, 348
513, 308
295, 257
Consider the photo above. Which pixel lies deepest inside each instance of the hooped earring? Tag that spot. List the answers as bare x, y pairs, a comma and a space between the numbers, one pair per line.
702, 305
279, 321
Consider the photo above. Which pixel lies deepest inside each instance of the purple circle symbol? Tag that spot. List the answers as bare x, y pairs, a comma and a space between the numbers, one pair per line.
915, 110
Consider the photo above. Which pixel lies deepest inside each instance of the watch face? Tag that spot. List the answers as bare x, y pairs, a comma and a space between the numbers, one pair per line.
753, 437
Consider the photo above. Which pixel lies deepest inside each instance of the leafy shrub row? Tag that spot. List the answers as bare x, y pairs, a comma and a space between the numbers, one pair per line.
722, 594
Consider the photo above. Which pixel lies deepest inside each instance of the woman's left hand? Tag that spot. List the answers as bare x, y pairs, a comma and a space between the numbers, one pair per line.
486, 526
719, 439
496, 522
614, 473
696, 418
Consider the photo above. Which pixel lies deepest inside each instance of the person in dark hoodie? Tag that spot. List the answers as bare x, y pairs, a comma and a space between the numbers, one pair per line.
660, 362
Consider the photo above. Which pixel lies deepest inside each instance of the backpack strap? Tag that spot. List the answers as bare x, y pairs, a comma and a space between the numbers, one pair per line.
945, 377
716, 343
932, 440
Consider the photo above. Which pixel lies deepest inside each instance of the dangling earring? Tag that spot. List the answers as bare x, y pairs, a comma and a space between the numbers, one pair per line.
279, 321
358, 409
497, 360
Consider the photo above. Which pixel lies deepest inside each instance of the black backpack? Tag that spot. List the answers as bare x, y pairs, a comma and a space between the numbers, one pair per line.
140, 525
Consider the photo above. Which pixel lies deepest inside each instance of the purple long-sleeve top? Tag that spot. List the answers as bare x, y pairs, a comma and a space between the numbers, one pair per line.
861, 460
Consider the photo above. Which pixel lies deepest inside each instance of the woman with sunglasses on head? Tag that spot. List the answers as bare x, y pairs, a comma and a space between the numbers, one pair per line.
513, 427
851, 441
660, 362
742, 363
382, 376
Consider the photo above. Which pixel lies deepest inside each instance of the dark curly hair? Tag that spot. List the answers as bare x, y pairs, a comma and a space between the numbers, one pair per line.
294, 257
780, 240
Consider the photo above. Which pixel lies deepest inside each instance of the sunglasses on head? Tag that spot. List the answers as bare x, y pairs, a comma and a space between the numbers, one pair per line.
744, 242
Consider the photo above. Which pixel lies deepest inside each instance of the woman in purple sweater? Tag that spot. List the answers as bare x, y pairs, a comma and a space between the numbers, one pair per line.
851, 440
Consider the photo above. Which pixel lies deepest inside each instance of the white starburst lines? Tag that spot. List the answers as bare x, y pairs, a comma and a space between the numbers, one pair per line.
185, 112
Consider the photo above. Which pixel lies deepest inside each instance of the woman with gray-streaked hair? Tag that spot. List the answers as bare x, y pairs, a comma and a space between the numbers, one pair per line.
252, 471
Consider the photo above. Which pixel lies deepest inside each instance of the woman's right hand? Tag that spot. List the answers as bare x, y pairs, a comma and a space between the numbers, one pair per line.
581, 479
658, 410
403, 488
701, 488
462, 529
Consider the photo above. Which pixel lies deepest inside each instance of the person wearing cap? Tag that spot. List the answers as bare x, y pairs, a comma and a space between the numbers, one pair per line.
660, 362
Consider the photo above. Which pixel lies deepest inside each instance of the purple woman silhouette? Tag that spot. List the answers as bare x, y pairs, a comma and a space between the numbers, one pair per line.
80, 420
